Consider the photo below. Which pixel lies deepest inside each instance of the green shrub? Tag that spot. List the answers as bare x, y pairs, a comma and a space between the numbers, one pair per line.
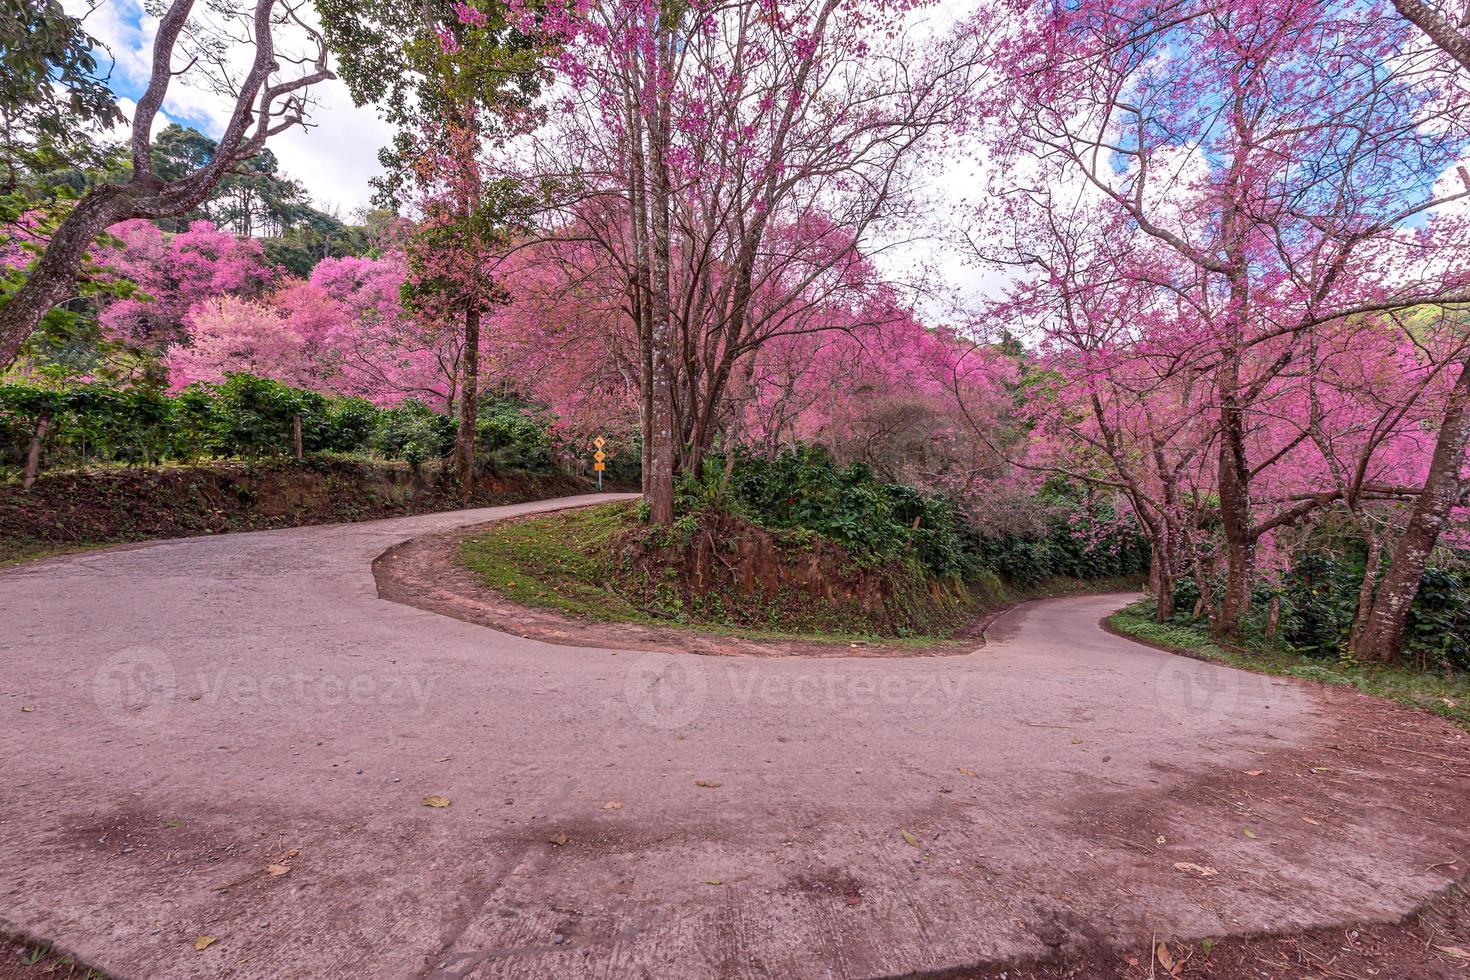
252, 416
877, 522
350, 424
507, 438
414, 432
1318, 596
246, 416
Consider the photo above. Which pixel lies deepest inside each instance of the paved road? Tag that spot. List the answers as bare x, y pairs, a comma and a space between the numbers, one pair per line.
180, 716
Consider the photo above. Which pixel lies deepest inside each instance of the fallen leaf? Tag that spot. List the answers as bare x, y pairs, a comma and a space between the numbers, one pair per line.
1320, 769
203, 942
706, 784
1203, 870
1160, 840
445, 759
25, 710
1456, 951
1076, 741
560, 840
713, 881
276, 870
1311, 821
613, 805
1167, 961
1254, 772
969, 772
437, 802
1248, 832
909, 838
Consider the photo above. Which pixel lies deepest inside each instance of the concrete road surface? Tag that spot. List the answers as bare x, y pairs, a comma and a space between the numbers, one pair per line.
233, 737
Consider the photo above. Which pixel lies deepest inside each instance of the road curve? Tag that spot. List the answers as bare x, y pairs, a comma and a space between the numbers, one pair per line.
179, 717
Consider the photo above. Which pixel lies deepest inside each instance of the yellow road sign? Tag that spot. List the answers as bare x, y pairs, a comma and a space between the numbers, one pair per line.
599, 455
599, 467
599, 442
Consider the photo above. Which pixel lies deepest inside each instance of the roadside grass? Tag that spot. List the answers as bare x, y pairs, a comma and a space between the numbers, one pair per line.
18, 552
564, 562
1447, 696
557, 561
561, 561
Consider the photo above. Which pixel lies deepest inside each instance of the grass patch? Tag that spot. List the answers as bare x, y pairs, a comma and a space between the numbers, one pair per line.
565, 561
573, 562
557, 561
1438, 694
14, 552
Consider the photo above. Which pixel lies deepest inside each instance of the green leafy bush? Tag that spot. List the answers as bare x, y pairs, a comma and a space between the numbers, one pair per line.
507, 438
414, 432
877, 522
1318, 596
248, 417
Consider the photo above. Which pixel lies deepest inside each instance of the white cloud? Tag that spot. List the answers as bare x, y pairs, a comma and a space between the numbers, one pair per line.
334, 159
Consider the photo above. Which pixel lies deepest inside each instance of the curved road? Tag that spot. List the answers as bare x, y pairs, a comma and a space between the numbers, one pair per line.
180, 716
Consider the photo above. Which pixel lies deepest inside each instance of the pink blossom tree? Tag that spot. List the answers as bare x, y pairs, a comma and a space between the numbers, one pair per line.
1272, 168
173, 273
725, 167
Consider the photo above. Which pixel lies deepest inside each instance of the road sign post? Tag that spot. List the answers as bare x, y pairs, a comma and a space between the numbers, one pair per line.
601, 460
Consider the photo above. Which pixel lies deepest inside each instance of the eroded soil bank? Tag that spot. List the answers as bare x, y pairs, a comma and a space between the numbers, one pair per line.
103, 506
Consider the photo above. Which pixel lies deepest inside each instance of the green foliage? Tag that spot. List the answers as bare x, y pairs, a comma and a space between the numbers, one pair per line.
52, 90
350, 423
1073, 544
876, 522
253, 417
246, 417
507, 438
1318, 597
1438, 630
413, 432
804, 490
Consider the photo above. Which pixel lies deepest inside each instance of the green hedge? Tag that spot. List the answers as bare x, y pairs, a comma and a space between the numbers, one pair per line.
1318, 596
877, 522
250, 417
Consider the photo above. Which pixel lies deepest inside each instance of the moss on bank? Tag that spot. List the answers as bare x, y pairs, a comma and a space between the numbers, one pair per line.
1445, 695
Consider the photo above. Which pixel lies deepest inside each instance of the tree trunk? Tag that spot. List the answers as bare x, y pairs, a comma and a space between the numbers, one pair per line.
296, 436
1235, 515
1161, 584
1446, 35
54, 276
660, 495
1382, 638
1165, 605
33, 456
469, 405
1366, 588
